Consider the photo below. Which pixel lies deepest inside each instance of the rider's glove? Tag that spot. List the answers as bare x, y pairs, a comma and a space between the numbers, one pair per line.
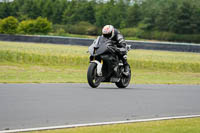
125, 57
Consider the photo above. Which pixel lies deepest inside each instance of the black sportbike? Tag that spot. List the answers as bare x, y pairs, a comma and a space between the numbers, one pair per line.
105, 64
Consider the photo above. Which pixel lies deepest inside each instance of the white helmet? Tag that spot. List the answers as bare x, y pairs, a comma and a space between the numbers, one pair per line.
108, 31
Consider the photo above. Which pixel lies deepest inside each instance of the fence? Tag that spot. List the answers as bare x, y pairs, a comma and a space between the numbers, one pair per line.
183, 47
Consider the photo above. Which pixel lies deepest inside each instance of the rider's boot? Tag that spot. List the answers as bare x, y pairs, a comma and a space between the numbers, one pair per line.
126, 66
116, 77
126, 70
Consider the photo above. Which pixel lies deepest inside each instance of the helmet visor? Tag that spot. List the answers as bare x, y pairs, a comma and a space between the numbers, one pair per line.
107, 35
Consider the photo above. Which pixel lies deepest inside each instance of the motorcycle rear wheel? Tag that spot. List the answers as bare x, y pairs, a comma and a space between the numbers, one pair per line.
92, 77
124, 81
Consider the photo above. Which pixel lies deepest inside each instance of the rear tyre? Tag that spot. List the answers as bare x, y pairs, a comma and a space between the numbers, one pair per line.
124, 81
92, 77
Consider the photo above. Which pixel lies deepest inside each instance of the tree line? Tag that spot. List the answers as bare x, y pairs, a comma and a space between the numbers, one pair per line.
174, 16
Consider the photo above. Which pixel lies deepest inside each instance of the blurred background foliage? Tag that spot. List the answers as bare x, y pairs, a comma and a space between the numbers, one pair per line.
168, 20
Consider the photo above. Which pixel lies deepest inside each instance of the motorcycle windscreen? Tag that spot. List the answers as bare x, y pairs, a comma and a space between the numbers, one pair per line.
102, 46
93, 46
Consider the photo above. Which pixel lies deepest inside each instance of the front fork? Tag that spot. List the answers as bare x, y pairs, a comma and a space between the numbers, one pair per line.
99, 66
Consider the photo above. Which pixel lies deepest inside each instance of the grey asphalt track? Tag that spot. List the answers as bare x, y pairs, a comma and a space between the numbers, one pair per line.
41, 105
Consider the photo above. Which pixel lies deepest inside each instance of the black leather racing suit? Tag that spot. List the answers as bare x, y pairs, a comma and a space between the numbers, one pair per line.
118, 40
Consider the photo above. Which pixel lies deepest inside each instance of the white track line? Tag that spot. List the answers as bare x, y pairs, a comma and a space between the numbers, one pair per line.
97, 124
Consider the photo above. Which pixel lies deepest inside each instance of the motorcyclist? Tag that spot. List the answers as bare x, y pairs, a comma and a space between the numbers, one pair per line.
114, 35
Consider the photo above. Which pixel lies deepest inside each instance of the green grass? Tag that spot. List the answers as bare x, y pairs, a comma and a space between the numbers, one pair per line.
48, 54
76, 55
164, 60
134, 38
31, 62
27, 73
168, 126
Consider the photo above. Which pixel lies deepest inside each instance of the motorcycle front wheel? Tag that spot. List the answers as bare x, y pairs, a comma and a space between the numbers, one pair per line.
92, 77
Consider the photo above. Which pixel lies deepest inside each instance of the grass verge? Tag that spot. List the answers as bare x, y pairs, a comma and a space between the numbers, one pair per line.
40, 63
28, 73
168, 126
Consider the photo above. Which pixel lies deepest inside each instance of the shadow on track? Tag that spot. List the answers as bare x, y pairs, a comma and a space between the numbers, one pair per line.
113, 87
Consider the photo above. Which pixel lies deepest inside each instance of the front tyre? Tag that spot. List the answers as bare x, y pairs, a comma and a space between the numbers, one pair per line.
124, 81
92, 77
